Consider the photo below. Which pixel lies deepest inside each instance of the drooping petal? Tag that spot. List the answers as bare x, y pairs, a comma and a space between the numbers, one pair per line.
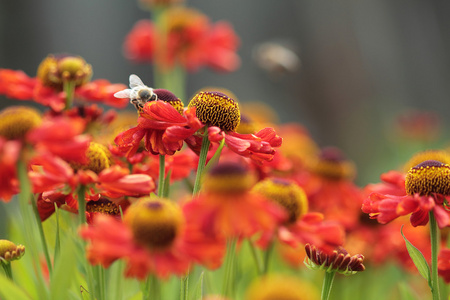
101, 90
116, 181
62, 137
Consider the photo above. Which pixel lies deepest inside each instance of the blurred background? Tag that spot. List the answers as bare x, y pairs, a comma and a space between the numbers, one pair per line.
357, 66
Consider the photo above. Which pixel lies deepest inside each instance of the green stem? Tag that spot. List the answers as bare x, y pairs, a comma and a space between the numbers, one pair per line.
434, 239
256, 258
184, 287
327, 285
267, 256
69, 89
7, 267
152, 288
42, 235
228, 281
201, 162
215, 158
82, 204
57, 238
90, 270
162, 173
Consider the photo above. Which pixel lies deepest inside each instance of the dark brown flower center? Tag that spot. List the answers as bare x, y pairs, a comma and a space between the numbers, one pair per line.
103, 206
428, 177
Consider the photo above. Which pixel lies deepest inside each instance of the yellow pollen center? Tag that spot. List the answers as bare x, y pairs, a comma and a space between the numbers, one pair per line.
54, 71
287, 194
428, 177
16, 121
99, 158
216, 109
155, 223
9, 251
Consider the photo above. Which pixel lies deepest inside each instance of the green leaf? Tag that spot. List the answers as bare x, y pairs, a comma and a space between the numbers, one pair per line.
10, 291
61, 279
418, 259
198, 290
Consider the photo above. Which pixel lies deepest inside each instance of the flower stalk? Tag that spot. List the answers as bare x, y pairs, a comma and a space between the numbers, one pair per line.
201, 162
161, 176
327, 284
434, 239
7, 268
69, 89
42, 236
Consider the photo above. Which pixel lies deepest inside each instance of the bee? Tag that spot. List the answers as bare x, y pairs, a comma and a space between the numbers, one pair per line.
139, 93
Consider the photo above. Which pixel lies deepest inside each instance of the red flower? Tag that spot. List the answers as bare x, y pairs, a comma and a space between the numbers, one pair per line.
222, 43
57, 182
101, 90
328, 182
116, 181
51, 173
156, 118
140, 42
444, 264
17, 85
222, 116
180, 165
62, 137
171, 251
425, 190
301, 226
190, 40
226, 208
9, 156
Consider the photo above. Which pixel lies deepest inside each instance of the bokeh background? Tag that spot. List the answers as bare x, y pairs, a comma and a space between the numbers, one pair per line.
362, 63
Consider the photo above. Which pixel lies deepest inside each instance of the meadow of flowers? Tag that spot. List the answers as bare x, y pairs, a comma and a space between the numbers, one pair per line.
134, 190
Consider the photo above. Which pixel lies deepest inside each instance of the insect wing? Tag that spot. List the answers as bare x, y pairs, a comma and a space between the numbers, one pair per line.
123, 94
135, 81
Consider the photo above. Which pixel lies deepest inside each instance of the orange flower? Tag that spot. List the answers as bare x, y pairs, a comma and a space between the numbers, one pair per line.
152, 239
225, 208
